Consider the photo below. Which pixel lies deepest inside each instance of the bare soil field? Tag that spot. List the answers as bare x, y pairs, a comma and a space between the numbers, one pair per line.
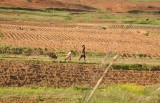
126, 5
104, 26
127, 40
16, 74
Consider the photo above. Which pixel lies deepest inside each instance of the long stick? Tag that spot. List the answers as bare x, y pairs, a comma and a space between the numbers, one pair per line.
100, 80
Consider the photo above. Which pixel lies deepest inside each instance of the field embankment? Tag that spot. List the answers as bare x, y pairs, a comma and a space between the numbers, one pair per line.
14, 73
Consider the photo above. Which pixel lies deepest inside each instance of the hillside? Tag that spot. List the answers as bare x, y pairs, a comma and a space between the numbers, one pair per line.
113, 5
40, 4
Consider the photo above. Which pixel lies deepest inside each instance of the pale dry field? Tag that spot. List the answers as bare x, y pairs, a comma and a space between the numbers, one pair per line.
124, 39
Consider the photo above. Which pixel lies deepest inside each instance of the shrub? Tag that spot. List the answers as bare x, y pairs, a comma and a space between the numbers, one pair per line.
147, 33
52, 55
135, 11
95, 54
15, 50
158, 12
4, 49
27, 51
24, 51
38, 51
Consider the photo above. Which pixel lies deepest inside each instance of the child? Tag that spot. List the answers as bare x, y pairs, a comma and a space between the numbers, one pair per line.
69, 55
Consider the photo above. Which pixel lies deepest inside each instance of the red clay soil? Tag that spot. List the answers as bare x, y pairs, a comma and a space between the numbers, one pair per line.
125, 5
113, 5
14, 73
40, 4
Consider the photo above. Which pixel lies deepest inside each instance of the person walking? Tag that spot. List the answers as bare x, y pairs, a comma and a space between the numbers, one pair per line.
83, 53
69, 55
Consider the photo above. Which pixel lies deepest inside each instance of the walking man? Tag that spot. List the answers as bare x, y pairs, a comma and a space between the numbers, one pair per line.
83, 53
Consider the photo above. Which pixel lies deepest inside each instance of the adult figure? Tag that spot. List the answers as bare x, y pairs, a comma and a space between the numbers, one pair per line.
83, 53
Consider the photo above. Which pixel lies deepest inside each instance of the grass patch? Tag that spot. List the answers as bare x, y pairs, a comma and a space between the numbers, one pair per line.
55, 14
34, 14
95, 54
95, 15
119, 66
125, 93
136, 67
152, 21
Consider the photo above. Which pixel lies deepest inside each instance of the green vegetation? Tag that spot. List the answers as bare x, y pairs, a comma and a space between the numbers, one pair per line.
126, 93
138, 62
52, 15
24, 51
153, 21
34, 14
136, 67
95, 54
116, 65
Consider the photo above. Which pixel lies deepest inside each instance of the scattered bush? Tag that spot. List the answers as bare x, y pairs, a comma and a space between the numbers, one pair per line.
135, 11
146, 33
4, 49
52, 55
15, 50
135, 67
38, 51
96, 54
27, 51
158, 12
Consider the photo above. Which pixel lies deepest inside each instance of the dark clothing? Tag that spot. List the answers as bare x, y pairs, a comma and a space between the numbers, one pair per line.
83, 53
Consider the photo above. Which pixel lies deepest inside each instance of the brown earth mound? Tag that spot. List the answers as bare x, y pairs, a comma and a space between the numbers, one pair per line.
40, 4
125, 5
113, 5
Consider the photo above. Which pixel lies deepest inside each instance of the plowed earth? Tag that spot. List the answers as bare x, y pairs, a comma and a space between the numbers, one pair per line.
125, 39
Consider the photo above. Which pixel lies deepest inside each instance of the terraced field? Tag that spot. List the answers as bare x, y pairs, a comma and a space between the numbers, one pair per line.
128, 40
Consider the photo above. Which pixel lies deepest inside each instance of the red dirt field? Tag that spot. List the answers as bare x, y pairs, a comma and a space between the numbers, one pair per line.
125, 5
113, 5
96, 37
17, 74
